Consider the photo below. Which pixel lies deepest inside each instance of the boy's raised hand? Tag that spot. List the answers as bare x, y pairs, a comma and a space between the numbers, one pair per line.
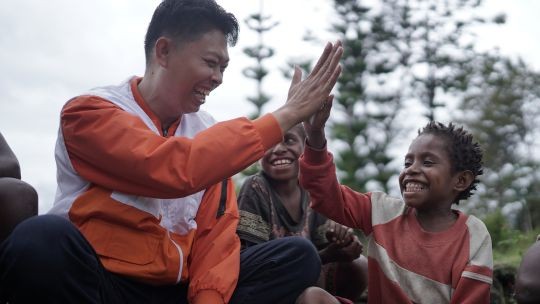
307, 96
314, 126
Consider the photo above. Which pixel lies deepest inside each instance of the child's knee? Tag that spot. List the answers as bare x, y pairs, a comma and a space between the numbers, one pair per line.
18, 194
18, 201
305, 256
301, 246
36, 234
316, 295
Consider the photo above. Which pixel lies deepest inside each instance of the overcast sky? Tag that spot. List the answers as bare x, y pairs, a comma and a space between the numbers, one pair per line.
52, 50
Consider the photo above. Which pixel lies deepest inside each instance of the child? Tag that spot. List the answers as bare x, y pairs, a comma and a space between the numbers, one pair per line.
527, 288
420, 250
18, 200
272, 205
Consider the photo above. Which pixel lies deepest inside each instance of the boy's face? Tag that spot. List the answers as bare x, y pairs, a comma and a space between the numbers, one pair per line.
427, 181
281, 161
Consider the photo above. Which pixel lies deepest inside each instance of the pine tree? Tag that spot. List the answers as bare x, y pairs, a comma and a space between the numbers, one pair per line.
398, 53
365, 126
434, 43
500, 109
259, 52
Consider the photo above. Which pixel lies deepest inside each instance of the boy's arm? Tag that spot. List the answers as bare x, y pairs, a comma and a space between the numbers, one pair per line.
214, 262
9, 165
328, 197
476, 279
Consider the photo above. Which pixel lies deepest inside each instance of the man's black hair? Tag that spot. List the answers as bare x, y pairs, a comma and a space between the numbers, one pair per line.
464, 152
187, 20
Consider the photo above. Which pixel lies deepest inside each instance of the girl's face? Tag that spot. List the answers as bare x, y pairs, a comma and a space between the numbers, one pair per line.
427, 181
281, 161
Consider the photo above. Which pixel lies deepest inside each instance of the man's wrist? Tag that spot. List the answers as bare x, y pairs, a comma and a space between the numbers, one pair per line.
285, 118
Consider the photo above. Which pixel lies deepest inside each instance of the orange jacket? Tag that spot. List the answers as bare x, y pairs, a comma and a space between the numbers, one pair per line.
148, 204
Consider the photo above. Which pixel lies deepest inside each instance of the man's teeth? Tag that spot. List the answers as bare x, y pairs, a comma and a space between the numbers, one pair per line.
414, 187
203, 92
281, 162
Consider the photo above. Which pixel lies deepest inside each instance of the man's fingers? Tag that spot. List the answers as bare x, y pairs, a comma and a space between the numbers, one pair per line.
328, 48
330, 82
296, 78
297, 75
328, 67
335, 69
325, 79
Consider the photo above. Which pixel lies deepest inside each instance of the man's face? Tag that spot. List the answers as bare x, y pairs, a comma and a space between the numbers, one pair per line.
193, 69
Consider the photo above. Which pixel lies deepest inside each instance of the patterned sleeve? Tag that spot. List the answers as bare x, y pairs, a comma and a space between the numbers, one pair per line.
254, 226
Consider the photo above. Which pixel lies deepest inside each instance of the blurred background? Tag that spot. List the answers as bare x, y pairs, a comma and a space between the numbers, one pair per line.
406, 62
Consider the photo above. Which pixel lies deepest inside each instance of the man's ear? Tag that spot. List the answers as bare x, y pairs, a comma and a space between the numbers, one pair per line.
464, 180
162, 50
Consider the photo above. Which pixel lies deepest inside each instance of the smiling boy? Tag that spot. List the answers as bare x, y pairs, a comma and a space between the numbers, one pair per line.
272, 205
420, 250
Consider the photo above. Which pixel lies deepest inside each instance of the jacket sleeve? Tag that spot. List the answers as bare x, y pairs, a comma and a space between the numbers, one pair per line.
337, 202
214, 262
112, 148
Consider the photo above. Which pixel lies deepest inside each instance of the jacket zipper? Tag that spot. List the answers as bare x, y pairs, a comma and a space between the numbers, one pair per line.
180, 254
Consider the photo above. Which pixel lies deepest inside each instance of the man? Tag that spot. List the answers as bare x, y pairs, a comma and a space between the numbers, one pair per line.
144, 176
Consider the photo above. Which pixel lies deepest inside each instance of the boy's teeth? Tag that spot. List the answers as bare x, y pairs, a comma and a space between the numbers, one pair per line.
281, 162
414, 187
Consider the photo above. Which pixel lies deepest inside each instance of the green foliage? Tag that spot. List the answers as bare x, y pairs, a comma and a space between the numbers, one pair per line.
395, 52
430, 39
368, 125
503, 237
500, 109
509, 245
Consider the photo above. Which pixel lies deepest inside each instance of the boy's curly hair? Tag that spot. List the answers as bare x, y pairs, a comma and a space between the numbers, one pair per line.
465, 154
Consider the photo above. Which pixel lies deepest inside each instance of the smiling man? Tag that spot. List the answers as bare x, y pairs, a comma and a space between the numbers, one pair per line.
145, 210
